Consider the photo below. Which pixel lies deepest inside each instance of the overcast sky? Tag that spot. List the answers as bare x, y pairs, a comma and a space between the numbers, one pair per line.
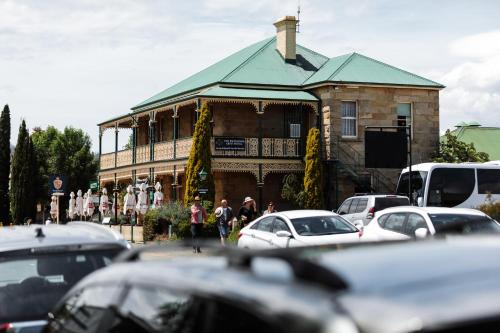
77, 63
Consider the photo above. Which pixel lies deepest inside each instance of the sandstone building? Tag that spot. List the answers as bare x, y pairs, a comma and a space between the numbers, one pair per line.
264, 99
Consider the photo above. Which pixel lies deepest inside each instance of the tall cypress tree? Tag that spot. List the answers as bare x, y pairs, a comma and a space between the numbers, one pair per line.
200, 158
4, 164
313, 175
22, 178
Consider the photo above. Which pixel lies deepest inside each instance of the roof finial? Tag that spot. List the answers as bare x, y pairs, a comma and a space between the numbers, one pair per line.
298, 17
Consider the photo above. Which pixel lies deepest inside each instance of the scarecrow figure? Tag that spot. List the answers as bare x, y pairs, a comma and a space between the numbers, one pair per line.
89, 205
104, 206
53, 208
142, 204
129, 201
72, 211
79, 204
158, 198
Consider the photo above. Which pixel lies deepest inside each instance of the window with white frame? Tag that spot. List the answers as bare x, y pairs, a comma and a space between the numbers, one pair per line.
404, 114
349, 119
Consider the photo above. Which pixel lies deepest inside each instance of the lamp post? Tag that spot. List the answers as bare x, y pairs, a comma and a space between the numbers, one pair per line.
115, 195
202, 175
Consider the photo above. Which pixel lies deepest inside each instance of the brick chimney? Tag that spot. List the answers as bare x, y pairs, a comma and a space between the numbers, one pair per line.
286, 42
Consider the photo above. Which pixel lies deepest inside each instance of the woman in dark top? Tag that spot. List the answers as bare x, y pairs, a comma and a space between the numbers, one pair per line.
247, 212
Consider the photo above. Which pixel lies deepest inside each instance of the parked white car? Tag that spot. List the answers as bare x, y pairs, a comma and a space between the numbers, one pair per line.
402, 223
297, 228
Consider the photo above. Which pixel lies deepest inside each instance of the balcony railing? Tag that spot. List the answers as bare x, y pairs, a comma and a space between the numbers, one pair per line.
271, 147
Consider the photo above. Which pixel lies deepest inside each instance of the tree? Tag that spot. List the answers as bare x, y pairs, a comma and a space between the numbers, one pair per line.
4, 164
200, 158
22, 189
313, 175
67, 153
452, 150
293, 190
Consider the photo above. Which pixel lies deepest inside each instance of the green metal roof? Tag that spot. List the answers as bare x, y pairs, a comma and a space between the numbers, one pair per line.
259, 64
485, 139
357, 68
292, 95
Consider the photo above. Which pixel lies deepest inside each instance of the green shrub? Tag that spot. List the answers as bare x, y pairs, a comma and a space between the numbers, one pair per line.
490, 207
233, 235
150, 225
313, 174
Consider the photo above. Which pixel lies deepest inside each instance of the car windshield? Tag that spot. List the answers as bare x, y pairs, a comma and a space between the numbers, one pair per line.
31, 285
463, 224
322, 225
418, 179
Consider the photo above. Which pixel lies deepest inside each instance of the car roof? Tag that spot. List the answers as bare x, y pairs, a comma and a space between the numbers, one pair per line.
431, 210
240, 285
22, 237
293, 214
452, 279
378, 196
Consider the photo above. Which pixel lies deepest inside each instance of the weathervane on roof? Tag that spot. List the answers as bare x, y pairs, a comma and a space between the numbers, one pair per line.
298, 17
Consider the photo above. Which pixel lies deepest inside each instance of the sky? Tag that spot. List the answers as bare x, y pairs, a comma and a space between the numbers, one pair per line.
77, 63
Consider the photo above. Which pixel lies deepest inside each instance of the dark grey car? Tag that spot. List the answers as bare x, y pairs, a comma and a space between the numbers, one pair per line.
450, 285
39, 264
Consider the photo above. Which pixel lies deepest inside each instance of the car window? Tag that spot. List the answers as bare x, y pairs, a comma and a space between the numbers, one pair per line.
352, 207
279, 225
322, 225
153, 310
464, 224
226, 317
361, 206
266, 224
84, 311
394, 222
387, 202
414, 222
344, 209
30, 286
255, 226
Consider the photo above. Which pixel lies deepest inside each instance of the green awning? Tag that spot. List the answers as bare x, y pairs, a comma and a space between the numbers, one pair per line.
264, 94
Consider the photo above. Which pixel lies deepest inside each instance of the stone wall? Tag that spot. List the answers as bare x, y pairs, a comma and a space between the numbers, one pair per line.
377, 107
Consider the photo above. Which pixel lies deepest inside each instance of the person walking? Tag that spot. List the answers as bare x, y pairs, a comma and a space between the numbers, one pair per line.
270, 208
224, 215
247, 212
198, 216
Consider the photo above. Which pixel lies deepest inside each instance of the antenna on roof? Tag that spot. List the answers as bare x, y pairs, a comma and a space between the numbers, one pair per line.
298, 17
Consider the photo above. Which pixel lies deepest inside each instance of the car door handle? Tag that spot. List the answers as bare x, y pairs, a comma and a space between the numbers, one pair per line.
253, 236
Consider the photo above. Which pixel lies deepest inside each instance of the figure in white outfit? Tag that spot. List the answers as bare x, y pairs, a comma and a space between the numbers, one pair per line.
53, 208
79, 204
142, 204
129, 201
158, 198
89, 204
72, 206
84, 206
104, 206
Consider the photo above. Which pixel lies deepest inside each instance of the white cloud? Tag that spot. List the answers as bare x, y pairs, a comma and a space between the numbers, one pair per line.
473, 87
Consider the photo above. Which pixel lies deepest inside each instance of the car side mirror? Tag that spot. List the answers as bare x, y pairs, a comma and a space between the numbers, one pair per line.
359, 224
421, 233
283, 233
340, 213
420, 201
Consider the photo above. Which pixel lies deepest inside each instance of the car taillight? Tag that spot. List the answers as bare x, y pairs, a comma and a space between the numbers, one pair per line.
4, 328
239, 235
371, 212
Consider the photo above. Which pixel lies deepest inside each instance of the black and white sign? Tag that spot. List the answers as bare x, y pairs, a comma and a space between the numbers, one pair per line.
222, 143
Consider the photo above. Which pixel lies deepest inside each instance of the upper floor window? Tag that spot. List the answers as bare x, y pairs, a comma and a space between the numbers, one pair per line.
349, 119
404, 114
295, 130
